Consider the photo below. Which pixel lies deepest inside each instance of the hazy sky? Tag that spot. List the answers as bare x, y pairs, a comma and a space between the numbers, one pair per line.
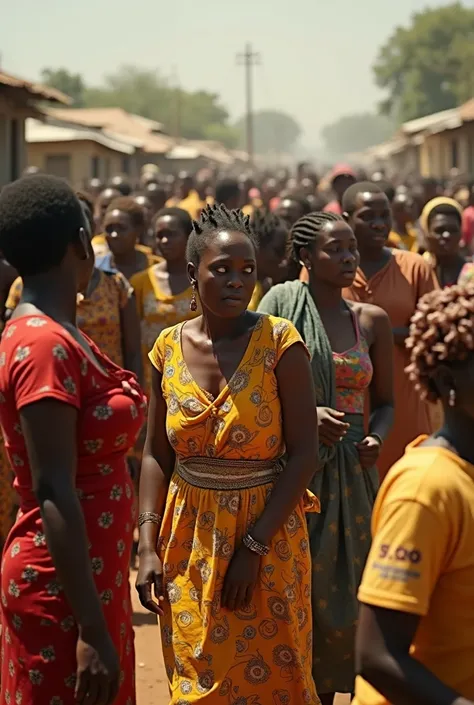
316, 54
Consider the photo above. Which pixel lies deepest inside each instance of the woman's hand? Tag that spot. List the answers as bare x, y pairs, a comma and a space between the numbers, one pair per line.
331, 428
150, 572
369, 450
240, 579
98, 668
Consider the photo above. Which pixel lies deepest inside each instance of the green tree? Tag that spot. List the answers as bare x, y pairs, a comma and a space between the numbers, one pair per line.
148, 93
427, 67
353, 133
273, 131
69, 83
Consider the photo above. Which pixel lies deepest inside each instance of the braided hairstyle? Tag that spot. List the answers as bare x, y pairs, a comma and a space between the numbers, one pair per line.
216, 219
441, 332
307, 229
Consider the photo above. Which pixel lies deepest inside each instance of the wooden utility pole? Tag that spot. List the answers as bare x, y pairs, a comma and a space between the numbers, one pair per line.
249, 59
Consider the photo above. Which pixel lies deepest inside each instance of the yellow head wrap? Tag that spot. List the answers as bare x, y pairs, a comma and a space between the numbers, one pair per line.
435, 203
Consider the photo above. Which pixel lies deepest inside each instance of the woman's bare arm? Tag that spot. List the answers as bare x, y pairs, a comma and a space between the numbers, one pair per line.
157, 466
381, 387
300, 430
384, 638
52, 460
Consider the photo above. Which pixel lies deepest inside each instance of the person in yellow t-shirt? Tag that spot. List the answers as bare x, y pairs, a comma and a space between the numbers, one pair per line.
163, 292
188, 198
415, 641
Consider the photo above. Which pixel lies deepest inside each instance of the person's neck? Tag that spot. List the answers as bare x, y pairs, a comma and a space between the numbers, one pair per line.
176, 267
449, 260
52, 293
218, 328
126, 258
371, 255
458, 430
327, 298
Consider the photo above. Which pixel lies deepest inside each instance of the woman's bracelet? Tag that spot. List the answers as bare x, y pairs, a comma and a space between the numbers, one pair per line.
149, 517
255, 546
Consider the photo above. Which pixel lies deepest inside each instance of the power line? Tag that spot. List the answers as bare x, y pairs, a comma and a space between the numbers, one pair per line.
249, 59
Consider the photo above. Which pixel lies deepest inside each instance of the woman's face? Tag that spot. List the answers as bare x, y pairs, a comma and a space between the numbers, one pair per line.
371, 221
119, 231
444, 234
170, 238
227, 274
334, 258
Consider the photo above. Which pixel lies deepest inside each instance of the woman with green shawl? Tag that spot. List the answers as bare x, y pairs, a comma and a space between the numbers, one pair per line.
351, 354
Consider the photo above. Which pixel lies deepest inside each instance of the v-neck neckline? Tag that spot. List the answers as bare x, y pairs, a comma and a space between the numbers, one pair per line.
379, 272
210, 397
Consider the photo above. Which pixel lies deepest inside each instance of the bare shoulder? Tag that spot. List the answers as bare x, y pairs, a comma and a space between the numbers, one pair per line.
372, 319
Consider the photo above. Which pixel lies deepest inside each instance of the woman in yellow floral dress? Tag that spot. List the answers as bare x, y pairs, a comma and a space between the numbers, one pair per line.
230, 449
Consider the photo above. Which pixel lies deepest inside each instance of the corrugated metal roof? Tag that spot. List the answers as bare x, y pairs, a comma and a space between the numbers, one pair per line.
192, 149
37, 131
36, 90
119, 122
437, 122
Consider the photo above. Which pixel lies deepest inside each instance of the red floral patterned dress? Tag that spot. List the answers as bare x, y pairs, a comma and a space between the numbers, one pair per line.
39, 359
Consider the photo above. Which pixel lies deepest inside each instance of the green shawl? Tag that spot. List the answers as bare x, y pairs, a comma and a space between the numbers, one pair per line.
293, 301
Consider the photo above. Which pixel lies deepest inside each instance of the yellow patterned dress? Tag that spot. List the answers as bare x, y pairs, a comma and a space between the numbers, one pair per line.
228, 451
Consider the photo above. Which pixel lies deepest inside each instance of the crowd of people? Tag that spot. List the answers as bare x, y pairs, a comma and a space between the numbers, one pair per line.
212, 376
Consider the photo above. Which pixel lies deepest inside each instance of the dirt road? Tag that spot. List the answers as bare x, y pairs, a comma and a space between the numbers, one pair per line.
152, 685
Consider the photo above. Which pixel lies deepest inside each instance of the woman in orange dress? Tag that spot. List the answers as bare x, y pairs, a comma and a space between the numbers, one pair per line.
395, 280
223, 532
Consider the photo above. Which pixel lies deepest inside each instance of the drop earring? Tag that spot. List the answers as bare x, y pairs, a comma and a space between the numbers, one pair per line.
193, 303
452, 397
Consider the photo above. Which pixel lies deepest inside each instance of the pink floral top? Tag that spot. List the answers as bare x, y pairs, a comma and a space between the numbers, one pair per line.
353, 374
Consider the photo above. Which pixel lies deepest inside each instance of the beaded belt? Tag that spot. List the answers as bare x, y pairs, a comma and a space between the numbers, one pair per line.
225, 474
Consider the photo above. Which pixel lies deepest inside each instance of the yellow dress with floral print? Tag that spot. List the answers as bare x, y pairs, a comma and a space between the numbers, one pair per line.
228, 454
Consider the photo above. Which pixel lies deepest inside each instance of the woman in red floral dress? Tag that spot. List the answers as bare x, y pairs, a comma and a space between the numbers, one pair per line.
69, 416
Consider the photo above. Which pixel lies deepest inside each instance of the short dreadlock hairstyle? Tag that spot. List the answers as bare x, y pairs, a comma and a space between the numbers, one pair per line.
306, 230
40, 216
265, 225
441, 332
128, 205
215, 219
182, 216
